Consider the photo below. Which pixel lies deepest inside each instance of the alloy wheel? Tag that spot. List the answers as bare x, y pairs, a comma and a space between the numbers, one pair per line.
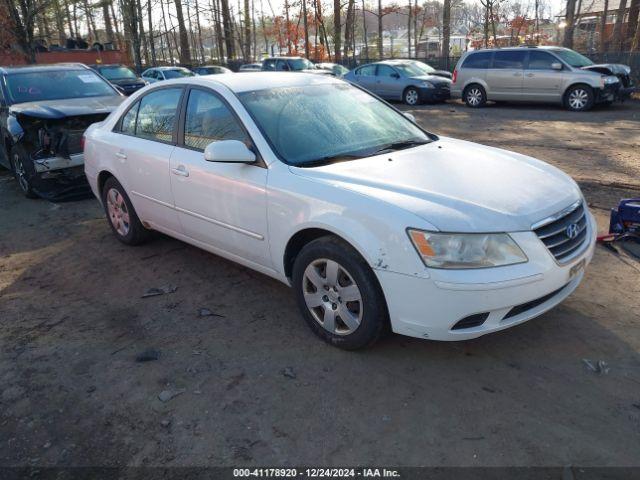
474, 97
20, 172
411, 97
578, 98
332, 296
118, 213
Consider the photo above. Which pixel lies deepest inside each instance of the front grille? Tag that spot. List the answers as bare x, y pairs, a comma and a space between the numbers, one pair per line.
556, 234
518, 309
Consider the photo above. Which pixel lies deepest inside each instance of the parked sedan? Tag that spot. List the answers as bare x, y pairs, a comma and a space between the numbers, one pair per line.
43, 113
210, 70
373, 221
250, 67
158, 74
423, 67
121, 76
395, 80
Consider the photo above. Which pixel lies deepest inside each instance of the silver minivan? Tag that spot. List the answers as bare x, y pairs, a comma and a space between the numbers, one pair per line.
531, 74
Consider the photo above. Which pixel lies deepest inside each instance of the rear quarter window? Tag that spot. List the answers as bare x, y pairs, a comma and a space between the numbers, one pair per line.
477, 60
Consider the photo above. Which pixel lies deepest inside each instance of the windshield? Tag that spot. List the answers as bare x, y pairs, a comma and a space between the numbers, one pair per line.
573, 58
113, 73
426, 69
56, 85
301, 64
409, 69
178, 73
321, 123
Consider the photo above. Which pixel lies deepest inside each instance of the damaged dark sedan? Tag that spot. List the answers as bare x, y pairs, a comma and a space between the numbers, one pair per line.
44, 111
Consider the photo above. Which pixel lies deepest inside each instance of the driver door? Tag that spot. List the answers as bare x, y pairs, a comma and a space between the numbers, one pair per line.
222, 205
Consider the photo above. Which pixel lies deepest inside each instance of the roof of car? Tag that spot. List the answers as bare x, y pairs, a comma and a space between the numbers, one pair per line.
285, 58
102, 65
176, 67
259, 80
43, 68
520, 47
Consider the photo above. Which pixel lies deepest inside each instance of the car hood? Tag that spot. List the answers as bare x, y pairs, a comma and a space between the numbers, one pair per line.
457, 186
57, 109
434, 79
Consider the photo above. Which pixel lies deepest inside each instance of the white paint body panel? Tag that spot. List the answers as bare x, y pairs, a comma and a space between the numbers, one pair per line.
248, 213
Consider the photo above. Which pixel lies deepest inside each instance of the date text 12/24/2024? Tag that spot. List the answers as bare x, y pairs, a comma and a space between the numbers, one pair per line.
315, 473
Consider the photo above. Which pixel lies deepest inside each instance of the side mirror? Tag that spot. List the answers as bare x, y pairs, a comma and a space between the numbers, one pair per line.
410, 116
556, 66
395, 75
228, 151
120, 89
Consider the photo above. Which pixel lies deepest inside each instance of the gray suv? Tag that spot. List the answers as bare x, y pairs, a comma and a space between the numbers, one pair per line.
531, 74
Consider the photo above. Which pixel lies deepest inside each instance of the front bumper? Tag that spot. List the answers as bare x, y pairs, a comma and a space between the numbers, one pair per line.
432, 307
437, 94
60, 178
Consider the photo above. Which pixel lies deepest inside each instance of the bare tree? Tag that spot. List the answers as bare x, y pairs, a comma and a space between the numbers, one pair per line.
616, 35
185, 53
337, 30
632, 24
446, 30
603, 26
228, 32
22, 14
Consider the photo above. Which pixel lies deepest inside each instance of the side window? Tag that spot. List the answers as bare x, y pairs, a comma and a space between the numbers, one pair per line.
128, 122
282, 66
385, 71
269, 64
477, 60
509, 59
157, 114
208, 120
150, 74
541, 60
367, 70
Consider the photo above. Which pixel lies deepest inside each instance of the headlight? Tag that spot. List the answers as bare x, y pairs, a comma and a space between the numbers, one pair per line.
466, 250
426, 85
610, 80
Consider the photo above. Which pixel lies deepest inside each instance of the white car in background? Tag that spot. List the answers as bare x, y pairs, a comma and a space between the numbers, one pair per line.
159, 74
371, 220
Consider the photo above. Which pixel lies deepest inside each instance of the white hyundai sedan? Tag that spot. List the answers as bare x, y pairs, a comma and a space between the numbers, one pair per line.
373, 221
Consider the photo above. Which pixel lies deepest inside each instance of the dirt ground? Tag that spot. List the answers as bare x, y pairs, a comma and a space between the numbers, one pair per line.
253, 386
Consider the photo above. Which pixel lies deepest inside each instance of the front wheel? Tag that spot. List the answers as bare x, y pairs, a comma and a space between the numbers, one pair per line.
579, 98
411, 96
338, 294
23, 171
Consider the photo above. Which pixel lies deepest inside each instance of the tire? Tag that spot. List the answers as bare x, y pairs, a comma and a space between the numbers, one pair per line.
23, 170
121, 215
411, 96
361, 316
579, 98
475, 96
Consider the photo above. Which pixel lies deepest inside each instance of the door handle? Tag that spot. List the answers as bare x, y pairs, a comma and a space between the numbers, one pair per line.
530, 74
121, 155
517, 74
180, 171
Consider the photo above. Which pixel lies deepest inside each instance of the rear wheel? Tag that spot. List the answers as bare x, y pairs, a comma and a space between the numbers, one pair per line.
122, 217
411, 96
338, 294
579, 98
475, 96
23, 170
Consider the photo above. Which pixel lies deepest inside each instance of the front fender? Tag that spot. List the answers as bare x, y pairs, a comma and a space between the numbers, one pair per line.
376, 229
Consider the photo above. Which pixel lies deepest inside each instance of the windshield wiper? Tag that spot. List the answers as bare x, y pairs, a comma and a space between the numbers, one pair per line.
330, 159
400, 145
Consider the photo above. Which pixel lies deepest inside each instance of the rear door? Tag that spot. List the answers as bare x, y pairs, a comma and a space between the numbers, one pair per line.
148, 131
366, 77
541, 82
388, 82
505, 76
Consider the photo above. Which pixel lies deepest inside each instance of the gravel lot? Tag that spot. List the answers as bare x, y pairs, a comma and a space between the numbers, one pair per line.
253, 386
